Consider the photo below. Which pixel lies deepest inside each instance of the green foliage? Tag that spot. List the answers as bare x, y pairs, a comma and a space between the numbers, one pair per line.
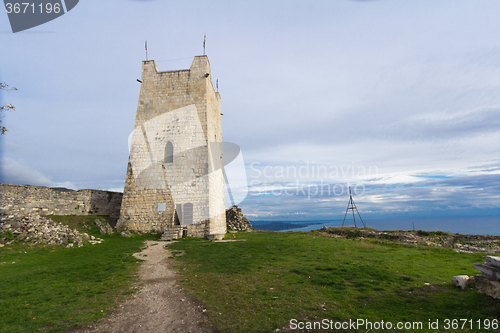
424, 233
259, 284
8, 234
6, 107
81, 223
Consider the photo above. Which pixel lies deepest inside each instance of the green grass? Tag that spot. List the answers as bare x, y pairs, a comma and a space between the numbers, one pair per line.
50, 289
83, 223
260, 284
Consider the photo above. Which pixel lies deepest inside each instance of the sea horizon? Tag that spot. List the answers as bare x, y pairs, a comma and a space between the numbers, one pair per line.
470, 225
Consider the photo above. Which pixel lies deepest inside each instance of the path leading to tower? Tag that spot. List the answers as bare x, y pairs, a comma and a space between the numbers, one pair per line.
160, 306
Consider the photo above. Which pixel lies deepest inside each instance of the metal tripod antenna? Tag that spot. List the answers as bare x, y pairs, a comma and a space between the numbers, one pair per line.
352, 206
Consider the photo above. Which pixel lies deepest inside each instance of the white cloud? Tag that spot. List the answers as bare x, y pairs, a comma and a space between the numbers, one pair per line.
66, 184
17, 173
116, 189
14, 172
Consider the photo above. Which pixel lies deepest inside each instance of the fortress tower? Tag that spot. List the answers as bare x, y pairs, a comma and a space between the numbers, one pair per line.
175, 177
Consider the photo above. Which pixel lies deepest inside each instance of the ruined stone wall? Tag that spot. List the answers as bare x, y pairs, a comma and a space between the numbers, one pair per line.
46, 201
199, 230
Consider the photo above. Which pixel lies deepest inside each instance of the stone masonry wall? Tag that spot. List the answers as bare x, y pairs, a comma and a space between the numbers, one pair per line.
216, 176
181, 109
46, 201
199, 230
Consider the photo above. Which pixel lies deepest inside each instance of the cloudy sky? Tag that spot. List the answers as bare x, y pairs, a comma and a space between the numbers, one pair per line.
398, 99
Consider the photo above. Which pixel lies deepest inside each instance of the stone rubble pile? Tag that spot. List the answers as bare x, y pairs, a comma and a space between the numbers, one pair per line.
104, 227
35, 229
488, 282
126, 233
235, 220
93, 240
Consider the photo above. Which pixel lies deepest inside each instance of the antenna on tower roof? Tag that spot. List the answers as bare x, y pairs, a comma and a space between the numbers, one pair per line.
352, 206
204, 40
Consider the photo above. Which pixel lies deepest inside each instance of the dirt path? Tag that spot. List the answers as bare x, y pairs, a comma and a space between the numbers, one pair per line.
159, 307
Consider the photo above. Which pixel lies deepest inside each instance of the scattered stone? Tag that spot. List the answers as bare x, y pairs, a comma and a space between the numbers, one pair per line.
235, 220
460, 281
125, 233
104, 227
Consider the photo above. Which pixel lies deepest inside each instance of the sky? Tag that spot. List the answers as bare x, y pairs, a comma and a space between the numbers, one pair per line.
398, 99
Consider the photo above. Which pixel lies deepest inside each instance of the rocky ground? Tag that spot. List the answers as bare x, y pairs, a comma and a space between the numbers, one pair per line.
458, 242
35, 229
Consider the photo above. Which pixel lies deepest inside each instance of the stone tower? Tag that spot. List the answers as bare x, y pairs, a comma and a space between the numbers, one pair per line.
175, 175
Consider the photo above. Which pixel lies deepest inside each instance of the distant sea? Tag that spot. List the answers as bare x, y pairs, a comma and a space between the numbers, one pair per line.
472, 225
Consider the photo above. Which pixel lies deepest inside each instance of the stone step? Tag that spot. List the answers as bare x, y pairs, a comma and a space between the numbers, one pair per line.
171, 233
488, 270
493, 261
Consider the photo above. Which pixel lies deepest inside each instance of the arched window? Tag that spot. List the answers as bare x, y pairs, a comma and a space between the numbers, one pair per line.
169, 153
187, 213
